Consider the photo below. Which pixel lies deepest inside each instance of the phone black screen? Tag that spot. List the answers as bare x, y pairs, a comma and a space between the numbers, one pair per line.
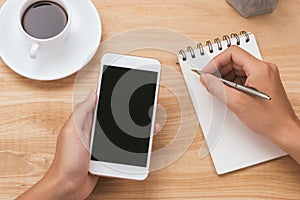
124, 116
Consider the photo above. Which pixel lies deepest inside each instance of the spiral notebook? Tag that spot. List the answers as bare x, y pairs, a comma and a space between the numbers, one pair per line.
231, 144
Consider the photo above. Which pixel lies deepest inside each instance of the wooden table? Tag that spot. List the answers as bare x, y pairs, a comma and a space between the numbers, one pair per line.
33, 112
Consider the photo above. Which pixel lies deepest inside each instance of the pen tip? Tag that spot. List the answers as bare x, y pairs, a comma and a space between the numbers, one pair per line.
197, 71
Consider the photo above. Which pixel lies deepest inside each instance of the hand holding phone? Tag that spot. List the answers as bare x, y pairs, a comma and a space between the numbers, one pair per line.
123, 123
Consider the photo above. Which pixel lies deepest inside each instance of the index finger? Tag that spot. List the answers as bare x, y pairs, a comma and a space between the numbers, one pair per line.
235, 58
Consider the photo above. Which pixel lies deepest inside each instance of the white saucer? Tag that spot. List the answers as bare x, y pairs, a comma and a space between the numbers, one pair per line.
80, 46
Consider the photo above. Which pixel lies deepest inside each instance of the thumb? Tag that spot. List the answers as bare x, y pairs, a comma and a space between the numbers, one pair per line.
88, 104
83, 109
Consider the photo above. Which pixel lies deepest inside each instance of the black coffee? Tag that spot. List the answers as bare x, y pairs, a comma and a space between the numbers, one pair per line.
44, 19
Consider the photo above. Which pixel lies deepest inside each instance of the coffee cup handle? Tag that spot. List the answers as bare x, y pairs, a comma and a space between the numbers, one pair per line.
34, 49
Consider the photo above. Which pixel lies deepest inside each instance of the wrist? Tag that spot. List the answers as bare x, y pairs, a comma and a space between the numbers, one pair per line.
50, 187
286, 131
288, 135
56, 185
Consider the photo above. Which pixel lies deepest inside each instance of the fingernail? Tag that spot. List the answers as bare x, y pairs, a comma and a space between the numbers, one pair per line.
91, 96
157, 128
202, 80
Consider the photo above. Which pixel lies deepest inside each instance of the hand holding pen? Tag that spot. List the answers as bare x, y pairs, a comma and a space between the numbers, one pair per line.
271, 118
242, 88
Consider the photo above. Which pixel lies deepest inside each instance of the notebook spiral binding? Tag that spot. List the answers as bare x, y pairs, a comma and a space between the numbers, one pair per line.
217, 41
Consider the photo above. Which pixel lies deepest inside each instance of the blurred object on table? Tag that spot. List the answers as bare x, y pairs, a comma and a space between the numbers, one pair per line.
249, 8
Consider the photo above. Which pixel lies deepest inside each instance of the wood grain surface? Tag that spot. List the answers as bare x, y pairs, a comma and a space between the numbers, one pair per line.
33, 112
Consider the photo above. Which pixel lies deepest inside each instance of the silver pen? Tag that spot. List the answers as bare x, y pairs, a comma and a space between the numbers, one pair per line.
248, 90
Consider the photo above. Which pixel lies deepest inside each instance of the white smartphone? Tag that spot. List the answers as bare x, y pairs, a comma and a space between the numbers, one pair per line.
123, 123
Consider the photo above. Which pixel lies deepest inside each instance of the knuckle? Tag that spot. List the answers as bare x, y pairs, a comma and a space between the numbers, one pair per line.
264, 65
233, 48
272, 69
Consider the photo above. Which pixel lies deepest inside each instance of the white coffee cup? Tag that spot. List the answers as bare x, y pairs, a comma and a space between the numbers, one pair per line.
48, 43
